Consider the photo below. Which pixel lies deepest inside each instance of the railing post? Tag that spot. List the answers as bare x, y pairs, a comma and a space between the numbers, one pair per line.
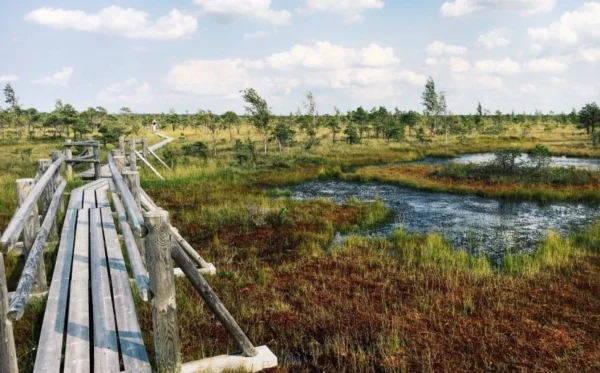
145, 147
132, 180
118, 158
8, 351
46, 197
91, 151
30, 231
122, 144
68, 157
132, 156
56, 180
162, 284
97, 167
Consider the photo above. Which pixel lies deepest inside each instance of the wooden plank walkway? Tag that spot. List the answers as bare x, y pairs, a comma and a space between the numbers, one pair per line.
105, 171
90, 323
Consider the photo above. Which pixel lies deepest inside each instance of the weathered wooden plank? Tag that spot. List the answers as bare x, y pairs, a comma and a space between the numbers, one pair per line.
158, 158
76, 199
77, 354
35, 258
89, 199
212, 301
16, 224
145, 161
8, 352
133, 211
162, 283
106, 348
133, 350
102, 196
49, 351
140, 274
30, 232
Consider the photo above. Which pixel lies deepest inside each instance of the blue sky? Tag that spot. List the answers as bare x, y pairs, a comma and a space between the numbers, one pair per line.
198, 54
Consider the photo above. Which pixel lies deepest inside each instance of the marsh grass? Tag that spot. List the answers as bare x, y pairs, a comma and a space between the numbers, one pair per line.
403, 303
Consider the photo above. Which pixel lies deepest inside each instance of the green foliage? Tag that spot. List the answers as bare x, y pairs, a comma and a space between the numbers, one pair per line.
197, 149
421, 136
244, 152
352, 136
260, 113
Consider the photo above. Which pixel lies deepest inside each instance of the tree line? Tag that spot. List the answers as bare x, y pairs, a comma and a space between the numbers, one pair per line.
351, 127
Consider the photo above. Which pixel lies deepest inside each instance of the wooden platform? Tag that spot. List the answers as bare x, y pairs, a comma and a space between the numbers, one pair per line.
90, 323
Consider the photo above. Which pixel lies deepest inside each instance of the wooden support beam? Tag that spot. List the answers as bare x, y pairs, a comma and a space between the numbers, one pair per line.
122, 144
149, 165
68, 157
57, 176
136, 259
30, 232
212, 301
8, 351
132, 156
132, 180
162, 283
134, 213
158, 158
35, 260
46, 196
145, 147
97, 167
16, 224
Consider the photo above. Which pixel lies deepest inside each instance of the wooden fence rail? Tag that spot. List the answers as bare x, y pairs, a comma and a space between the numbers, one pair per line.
34, 259
133, 211
16, 224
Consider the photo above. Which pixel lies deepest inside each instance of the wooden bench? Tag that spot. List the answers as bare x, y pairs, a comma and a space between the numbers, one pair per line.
90, 323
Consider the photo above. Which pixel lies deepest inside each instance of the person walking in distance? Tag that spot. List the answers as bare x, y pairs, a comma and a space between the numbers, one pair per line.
154, 125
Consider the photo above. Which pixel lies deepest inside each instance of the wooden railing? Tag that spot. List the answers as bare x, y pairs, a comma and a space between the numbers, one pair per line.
161, 245
92, 155
41, 195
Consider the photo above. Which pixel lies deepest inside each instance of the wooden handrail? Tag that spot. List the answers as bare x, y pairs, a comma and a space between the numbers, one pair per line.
133, 211
16, 224
28, 276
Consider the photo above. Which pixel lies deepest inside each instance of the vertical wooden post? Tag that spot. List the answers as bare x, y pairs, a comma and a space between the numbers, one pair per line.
132, 180
145, 147
46, 196
30, 231
132, 156
8, 351
97, 167
122, 144
69, 156
56, 180
91, 151
162, 284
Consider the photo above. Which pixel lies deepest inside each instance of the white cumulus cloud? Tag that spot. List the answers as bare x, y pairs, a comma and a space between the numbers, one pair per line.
459, 8
590, 54
229, 10
8, 78
351, 10
503, 67
459, 64
127, 22
494, 39
547, 65
60, 78
325, 55
438, 48
580, 25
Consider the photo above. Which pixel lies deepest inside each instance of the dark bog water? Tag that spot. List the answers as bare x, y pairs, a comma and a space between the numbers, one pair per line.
475, 224
479, 158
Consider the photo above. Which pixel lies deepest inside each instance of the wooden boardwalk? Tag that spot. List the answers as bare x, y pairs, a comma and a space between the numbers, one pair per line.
90, 316
105, 171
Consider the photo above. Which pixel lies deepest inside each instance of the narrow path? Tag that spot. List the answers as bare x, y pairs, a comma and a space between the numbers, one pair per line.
90, 316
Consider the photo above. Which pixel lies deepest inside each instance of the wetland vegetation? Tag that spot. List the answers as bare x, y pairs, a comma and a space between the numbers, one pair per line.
408, 299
